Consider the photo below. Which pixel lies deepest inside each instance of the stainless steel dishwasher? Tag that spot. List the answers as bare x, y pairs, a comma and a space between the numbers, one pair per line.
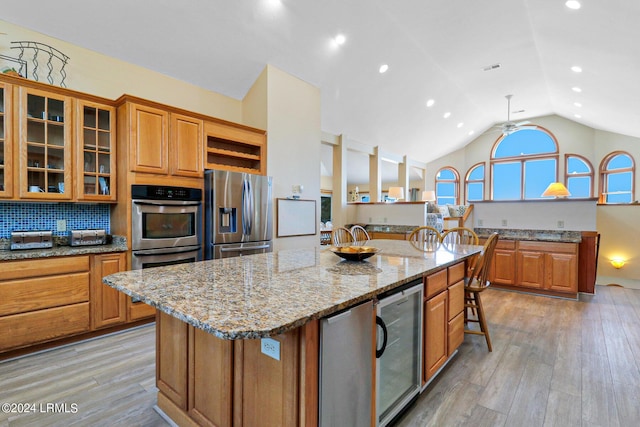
399, 350
346, 366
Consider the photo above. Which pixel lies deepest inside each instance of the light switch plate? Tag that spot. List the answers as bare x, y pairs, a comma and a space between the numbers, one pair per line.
270, 347
61, 225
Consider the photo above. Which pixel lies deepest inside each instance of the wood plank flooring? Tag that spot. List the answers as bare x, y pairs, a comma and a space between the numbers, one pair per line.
555, 363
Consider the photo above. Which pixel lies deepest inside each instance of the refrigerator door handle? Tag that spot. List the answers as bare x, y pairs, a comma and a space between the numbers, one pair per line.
381, 323
247, 207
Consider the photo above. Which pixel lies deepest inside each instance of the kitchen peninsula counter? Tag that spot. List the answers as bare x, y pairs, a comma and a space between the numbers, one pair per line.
237, 339
267, 294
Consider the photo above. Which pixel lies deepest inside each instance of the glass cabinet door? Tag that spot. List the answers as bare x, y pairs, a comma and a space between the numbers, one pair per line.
45, 146
6, 141
96, 154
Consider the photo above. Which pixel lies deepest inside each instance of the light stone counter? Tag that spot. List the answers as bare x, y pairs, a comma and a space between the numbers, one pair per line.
60, 248
262, 295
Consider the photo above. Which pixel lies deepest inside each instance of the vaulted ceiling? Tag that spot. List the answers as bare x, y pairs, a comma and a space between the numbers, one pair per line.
464, 55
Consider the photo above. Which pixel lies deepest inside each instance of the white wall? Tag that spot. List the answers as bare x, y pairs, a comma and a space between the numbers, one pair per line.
389, 213
289, 109
576, 215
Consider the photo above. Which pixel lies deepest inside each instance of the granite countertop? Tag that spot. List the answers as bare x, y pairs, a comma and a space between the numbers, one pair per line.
263, 295
386, 228
60, 248
565, 236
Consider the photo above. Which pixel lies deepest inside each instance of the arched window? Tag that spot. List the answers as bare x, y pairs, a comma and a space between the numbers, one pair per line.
523, 164
474, 183
617, 172
578, 176
447, 184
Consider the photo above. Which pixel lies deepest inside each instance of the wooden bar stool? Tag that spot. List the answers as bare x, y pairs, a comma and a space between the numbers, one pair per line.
359, 233
341, 235
475, 284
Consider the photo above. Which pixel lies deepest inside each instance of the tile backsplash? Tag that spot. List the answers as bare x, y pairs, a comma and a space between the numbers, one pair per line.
44, 216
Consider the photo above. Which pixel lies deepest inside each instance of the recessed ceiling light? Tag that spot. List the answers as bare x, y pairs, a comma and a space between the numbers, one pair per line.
577, 116
577, 104
430, 102
573, 4
383, 68
576, 89
576, 69
471, 132
460, 125
447, 115
340, 39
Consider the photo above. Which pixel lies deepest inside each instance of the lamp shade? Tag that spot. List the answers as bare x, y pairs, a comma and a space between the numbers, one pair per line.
556, 189
428, 196
396, 193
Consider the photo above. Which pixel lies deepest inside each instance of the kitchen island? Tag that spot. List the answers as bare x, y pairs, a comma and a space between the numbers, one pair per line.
211, 362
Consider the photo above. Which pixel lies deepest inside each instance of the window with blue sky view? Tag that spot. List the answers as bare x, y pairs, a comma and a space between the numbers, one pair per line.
524, 163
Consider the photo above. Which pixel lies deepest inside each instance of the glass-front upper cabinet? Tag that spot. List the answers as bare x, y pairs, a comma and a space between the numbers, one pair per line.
6, 141
96, 154
45, 145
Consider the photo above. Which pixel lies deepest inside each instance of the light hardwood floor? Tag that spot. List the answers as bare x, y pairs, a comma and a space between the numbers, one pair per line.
555, 363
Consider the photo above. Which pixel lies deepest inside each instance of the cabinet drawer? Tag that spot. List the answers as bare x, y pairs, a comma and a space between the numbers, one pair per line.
456, 333
456, 273
20, 330
435, 283
45, 266
139, 310
20, 296
555, 247
456, 299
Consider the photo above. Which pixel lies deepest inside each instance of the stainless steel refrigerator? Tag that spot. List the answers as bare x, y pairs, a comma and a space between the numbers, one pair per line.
238, 214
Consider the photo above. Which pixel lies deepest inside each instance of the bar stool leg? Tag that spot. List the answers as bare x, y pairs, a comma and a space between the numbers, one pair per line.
482, 319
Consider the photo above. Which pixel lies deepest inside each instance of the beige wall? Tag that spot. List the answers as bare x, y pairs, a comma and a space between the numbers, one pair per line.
290, 108
97, 74
619, 226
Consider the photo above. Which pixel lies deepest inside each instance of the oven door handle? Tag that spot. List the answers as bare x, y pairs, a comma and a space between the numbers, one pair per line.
166, 203
152, 252
244, 248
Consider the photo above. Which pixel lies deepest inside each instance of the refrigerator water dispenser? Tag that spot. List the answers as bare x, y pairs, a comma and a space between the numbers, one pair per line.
227, 220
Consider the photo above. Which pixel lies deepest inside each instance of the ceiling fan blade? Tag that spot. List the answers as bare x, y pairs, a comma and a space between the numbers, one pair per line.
526, 122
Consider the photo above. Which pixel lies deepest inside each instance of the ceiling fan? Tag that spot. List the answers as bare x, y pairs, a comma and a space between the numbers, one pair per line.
509, 127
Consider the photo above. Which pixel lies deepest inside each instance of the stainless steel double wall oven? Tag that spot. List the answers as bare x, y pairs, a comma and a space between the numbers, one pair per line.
166, 225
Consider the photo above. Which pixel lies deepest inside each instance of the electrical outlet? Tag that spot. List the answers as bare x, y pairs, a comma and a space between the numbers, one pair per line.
385, 220
560, 224
61, 225
270, 347
504, 222
480, 223
369, 220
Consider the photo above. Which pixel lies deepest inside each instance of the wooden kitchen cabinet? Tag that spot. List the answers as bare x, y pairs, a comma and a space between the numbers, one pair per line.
171, 364
95, 152
389, 236
195, 374
45, 145
185, 146
235, 148
503, 265
548, 266
6, 140
436, 326
443, 311
108, 305
43, 300
163, 142
149, 139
